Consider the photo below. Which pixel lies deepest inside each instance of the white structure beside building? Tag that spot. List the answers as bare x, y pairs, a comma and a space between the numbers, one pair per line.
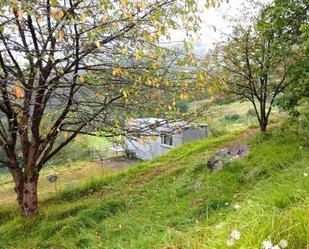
151, 137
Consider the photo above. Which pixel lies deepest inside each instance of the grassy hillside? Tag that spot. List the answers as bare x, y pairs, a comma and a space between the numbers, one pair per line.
175, 202
76, 163
238, 115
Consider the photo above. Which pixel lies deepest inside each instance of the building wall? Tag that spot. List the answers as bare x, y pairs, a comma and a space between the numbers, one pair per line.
143, 150
177, 140
150, 148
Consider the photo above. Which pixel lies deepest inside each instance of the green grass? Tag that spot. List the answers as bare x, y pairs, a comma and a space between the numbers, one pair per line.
82, 148
73, 155
175, 202
221, 118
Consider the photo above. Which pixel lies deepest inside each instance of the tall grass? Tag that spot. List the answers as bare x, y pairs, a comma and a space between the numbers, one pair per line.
175, 202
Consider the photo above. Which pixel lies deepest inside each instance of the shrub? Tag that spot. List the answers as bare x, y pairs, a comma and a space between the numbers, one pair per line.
183, 106
217, 130
200, 166
251, 112
232, 117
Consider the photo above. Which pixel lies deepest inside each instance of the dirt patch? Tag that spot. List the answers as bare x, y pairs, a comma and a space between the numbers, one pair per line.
116, 163
149, 175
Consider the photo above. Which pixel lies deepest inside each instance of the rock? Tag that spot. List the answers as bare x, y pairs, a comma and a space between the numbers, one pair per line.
53, 178
197, 186
227, 155
223, 152
240, 151
214, 163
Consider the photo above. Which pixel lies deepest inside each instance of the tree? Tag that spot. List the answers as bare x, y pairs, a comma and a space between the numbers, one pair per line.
255, 64
70, 67
289, 19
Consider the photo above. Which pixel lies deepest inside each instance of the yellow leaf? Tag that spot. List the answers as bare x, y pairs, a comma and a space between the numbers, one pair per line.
142, 141
152, 55
61, 35
155, 65
141, 5
124, 2
150, 82
125, 94
106, 17
116, 70
65, 135
83, 18
185, 83
56, 14
210, 90
20, 14
183, 96
82, 78
190, 55
127, 15
19, 93
39, 20
201, 76
98, 44
53, 14
138, 56
125, 50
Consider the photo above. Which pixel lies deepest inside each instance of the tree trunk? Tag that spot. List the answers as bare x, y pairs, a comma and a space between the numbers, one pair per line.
263, 124
27, 198
26, 183
19, 185
30, 196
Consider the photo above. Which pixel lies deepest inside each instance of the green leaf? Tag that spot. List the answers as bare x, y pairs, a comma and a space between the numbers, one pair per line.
54, 3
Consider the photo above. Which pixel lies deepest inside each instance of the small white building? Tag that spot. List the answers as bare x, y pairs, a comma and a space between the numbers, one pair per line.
151, 137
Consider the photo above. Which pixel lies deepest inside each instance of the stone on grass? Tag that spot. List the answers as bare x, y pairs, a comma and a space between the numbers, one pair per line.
226, 155
197, 186
214, 163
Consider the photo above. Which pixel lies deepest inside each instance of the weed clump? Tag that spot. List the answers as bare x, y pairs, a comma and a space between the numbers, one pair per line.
200, 166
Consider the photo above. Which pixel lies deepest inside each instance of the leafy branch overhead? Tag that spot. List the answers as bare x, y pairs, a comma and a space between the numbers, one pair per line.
84, 67
70, 67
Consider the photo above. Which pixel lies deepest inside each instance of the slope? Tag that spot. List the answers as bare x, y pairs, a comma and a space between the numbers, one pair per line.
175, 202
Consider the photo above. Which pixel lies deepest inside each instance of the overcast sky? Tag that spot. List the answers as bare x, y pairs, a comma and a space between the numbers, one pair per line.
214, 17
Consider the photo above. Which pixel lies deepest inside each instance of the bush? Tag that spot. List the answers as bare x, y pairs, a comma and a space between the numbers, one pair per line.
200, 166
231, 117
183, 106
251, 112
217, 131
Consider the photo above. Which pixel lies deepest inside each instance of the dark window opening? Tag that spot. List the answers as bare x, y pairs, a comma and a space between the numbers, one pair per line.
167, 139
